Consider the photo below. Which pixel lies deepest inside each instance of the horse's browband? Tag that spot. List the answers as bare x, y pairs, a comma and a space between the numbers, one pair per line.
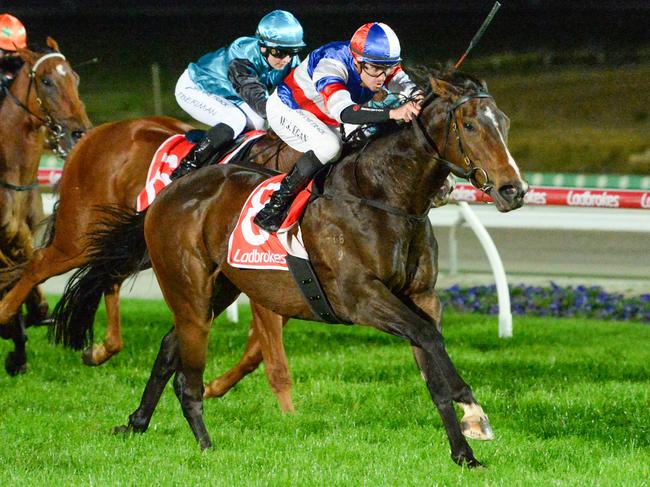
44, 58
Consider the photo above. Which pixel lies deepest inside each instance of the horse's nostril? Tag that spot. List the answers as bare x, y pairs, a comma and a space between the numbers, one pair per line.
509, 192
77, 134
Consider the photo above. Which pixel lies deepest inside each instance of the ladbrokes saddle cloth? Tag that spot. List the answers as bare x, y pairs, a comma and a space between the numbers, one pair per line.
168, 157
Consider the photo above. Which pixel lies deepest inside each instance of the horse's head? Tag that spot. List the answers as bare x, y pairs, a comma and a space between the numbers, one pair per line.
52, 97
465, 127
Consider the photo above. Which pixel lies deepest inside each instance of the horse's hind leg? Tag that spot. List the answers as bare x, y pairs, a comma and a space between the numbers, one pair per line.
97, 354
264, 343
475, 423
163, 368
193, 314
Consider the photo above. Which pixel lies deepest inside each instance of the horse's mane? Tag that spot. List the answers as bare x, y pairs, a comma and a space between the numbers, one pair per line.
467, 83
41, 49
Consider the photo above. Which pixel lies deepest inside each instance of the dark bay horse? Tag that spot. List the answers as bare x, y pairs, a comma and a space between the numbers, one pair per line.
41, 105
368, 238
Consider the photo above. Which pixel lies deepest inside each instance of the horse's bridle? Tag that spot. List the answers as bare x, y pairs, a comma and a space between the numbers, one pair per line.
55, 130
474, 174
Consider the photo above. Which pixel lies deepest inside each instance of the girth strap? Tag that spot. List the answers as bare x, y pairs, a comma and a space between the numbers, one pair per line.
305, 277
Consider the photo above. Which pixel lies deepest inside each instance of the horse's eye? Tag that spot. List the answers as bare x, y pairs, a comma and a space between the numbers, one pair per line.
468, 126
46, 81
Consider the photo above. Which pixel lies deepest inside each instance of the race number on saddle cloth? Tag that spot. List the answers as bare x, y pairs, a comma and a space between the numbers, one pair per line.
250, 247
169, 155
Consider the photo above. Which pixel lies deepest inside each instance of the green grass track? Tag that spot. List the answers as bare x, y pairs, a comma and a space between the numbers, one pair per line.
568, 399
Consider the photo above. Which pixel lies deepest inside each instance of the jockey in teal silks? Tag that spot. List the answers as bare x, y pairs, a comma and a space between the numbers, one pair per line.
228, 88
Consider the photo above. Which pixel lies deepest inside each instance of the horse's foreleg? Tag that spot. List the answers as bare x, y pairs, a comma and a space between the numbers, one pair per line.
97, 354
163, 368
37, 307
249, 361
16, 361
384, 311
44, 264
268, 326
475, 423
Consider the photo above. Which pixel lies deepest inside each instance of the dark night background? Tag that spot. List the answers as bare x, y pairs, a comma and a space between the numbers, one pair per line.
129, 33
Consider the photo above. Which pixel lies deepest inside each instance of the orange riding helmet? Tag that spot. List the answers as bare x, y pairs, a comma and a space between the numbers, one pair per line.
12, 33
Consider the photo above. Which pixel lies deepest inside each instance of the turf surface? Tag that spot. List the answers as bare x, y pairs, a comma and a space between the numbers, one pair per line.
568, 399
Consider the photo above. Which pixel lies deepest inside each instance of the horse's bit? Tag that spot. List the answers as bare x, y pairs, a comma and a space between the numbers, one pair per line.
474, 174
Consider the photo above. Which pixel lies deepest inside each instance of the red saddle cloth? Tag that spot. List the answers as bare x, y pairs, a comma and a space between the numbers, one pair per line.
168, 157
250, 247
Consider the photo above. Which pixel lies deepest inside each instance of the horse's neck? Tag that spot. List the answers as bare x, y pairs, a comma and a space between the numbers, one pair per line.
21, 137
396, 170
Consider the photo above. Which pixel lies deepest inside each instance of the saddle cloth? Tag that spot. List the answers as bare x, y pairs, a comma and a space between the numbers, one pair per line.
250, 247
168, 157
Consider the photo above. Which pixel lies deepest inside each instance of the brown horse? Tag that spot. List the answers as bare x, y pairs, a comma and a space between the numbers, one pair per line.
367, 235
41, 104
109, 167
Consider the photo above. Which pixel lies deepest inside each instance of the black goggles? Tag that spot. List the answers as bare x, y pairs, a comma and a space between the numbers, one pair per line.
282, 52
376, 70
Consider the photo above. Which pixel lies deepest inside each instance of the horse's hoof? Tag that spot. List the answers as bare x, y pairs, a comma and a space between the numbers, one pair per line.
48, 321
214, 389
205, 445
477, 428
39, 318
95, 355
87, 357
466, 460
15, 365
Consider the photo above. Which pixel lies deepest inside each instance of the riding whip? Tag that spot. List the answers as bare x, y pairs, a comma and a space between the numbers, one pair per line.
479, 33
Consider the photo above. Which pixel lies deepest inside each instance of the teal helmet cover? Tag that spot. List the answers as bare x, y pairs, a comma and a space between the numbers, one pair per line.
280, 29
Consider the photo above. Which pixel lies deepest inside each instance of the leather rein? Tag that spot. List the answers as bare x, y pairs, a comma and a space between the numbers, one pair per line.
472, 173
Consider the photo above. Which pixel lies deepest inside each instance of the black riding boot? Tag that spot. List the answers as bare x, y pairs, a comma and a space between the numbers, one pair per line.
273, 214
199, 156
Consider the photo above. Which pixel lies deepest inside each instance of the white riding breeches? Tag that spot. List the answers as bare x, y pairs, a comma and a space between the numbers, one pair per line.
211, 109
302, 130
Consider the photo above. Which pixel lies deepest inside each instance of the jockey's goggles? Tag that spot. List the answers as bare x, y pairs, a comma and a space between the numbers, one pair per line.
376, 70
282, 52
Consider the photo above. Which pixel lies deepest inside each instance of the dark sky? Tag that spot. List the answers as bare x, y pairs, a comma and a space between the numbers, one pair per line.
167, 7
173, 29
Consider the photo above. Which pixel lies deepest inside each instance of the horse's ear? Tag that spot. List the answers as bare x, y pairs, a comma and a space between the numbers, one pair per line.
53, 44
443, 89
26, 55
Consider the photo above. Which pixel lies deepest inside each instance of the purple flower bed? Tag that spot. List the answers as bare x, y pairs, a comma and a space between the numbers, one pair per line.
569, 301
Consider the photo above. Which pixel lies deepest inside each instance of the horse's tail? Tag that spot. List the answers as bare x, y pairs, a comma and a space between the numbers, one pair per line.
117, 250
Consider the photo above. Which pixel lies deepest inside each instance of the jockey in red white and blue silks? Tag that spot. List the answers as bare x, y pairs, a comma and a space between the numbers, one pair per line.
332, 86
